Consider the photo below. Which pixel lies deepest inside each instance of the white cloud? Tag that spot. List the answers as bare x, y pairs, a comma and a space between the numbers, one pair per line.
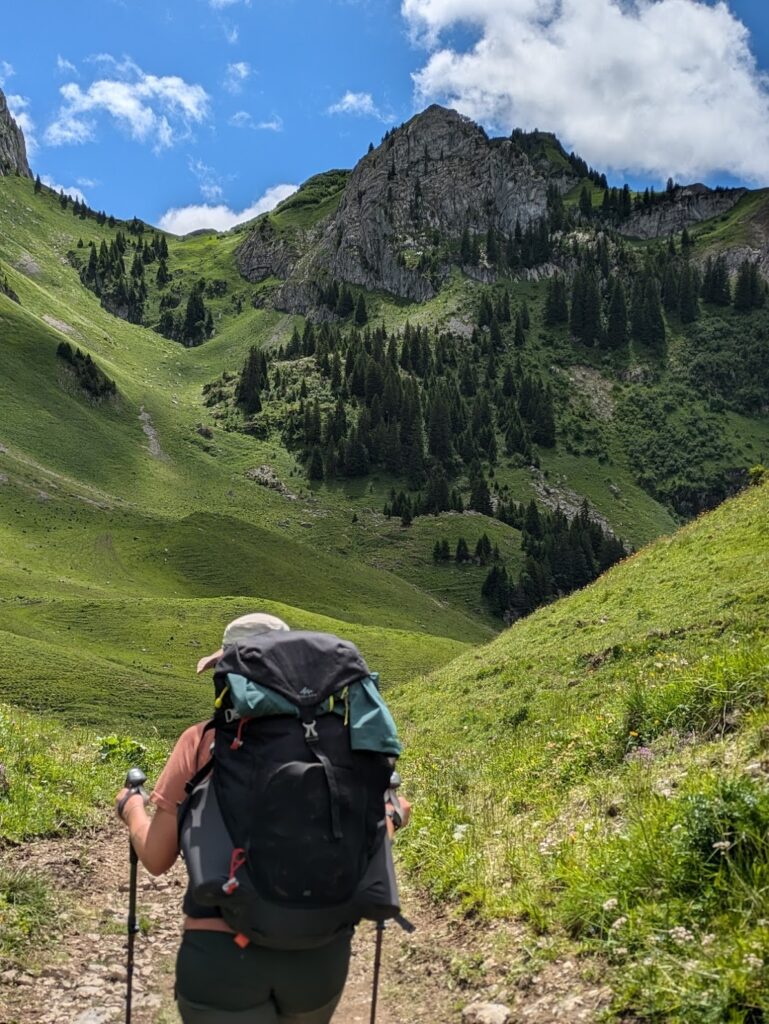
361, 104
210, 183
660, 86
231, 33
69, 190
19, 110
182, 220
151, 108
87, 182
242, 119
66, 67
236, 75
218, 5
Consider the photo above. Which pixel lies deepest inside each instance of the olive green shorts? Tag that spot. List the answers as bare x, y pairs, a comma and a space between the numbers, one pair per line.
219, 983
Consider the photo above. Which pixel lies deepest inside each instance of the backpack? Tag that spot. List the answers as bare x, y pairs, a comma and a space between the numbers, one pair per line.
286, 837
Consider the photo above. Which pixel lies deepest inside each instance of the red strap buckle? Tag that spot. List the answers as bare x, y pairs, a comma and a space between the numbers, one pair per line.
237, 860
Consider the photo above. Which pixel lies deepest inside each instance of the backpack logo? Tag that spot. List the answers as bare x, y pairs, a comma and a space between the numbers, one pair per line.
307, 692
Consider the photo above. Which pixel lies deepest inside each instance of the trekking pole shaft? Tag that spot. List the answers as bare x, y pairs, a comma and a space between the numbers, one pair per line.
134, 782
377, 969
132, 930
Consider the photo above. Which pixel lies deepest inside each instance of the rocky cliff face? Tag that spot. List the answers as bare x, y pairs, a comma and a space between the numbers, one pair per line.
687, 206
13, 151
405, 205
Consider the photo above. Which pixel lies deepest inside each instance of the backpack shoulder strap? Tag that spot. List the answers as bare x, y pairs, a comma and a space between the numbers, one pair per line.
191, 784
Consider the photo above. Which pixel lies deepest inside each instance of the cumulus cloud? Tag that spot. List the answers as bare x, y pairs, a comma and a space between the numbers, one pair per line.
360, 104
660, 86
6, 72
19, 110
236, 75
151, 108
68, 190
242, 119
231, 33
182, 220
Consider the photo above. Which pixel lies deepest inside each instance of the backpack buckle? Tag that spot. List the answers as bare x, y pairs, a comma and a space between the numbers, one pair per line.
310, 732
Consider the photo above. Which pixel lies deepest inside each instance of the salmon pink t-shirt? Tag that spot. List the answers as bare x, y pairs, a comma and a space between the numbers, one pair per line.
192, 751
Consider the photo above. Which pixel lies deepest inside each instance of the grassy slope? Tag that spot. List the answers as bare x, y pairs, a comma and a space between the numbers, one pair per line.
89, 518
580, 768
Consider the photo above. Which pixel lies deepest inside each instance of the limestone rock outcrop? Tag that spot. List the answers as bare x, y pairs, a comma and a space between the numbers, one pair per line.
13, 149
685, 207
404, 205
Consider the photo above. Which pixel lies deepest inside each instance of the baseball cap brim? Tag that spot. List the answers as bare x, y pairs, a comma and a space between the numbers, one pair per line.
205, 663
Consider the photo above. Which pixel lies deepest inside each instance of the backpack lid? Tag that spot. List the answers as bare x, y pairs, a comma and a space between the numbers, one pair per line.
302, 666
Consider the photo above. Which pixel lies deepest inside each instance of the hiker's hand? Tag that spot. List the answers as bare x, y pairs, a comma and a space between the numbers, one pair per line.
404, 815
130, 799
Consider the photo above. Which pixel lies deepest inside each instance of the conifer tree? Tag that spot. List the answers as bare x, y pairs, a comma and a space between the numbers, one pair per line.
688, 302
556, 304
617, 327
361, 313
462, 553
247, 393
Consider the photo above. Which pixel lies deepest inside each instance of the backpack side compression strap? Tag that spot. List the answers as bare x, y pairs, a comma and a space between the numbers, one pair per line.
313, 742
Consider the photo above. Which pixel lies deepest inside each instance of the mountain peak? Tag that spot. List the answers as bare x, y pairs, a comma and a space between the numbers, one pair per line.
13, 149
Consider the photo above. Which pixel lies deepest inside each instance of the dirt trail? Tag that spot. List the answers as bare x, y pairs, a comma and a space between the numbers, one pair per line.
427, 977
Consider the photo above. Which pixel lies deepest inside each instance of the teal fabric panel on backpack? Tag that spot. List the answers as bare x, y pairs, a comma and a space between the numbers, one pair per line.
251, 700
371, 724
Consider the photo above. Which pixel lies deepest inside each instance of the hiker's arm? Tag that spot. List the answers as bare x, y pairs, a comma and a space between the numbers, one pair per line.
154, 839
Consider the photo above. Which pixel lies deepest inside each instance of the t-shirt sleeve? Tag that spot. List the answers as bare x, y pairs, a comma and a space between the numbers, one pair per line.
187, 756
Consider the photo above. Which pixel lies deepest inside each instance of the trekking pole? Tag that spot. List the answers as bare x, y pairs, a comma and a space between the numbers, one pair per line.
380, 927
134, 782
391, 797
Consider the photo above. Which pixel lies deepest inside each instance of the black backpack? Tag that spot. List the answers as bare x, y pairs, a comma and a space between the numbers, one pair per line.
286, 837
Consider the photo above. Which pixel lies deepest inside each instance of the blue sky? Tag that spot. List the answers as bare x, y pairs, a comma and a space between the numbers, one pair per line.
217, 107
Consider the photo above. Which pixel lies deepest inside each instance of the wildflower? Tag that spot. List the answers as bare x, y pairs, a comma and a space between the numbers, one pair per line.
632, 733
611, 904
459, 833
680, 935
620, 951
619, 923
722, 846
753, 962
707, 939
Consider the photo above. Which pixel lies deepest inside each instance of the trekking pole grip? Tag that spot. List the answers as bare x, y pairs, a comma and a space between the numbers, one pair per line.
134, 783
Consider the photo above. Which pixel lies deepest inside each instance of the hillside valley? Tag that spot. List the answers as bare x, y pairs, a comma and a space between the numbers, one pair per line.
498, 421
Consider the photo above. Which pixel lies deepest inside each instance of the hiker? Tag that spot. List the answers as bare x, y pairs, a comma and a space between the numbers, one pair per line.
222, 976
